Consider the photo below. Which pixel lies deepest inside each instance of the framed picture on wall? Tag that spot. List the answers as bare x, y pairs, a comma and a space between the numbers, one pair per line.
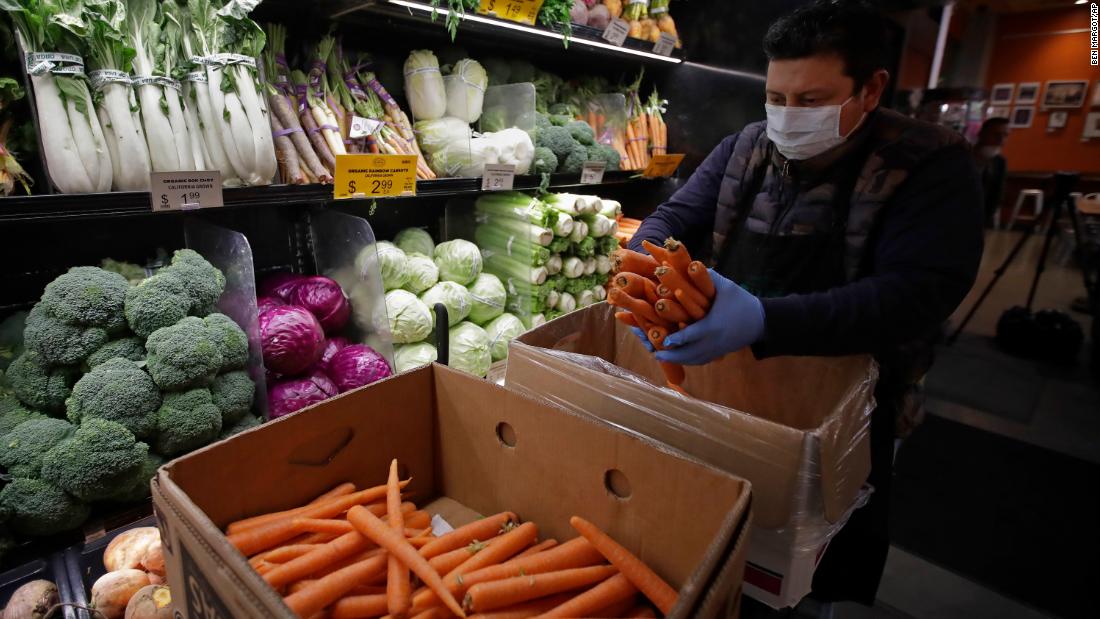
997, 111
1092, 126
1002, 94
1028, 93
1021, 117
1057, 120
1094, 101
1065, 94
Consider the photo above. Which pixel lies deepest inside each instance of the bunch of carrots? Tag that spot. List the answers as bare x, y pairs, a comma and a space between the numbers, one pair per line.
361, 553
662, 293
628, 227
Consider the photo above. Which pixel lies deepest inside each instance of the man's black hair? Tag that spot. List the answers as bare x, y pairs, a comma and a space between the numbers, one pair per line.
993, 122
848, 28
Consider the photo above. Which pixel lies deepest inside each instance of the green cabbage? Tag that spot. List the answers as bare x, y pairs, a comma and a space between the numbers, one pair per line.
391, 262
423, 273
501, 331
410, 319
453, 296
458, 261
415, 241
488, 296
415, 355
469, 349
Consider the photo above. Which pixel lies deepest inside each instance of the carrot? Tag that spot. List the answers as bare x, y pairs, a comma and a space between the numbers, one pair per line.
631, 283
432, 613
301, 584
697, 271
451, 559
671, 311
282, 554
481, 529
504, 548
665, 292
420, 542
575, 553
398, 588
618, 298
695, 311
632, 145
357, 606
319, 525
272, 533
640, 575
340, 548
626, 318
356, 558
338, 491
525, 610
418, 519
601, 596
500, 593
678, 256
617, 609
625, 260
263, 567
537, 548
674, 374
660, 254
333, 587
641, 610
656, 335
369, 525
676, 280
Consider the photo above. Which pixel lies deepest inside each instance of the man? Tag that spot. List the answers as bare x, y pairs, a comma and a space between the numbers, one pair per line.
991, 163
837, 228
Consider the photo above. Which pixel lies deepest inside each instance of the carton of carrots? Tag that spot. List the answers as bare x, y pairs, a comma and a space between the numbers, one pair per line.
660, 292
346, 509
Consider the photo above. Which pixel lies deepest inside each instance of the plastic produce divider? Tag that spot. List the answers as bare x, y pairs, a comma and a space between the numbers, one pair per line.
442, 335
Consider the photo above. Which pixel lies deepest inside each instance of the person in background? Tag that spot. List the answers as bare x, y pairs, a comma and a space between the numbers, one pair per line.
991, 163
834, 227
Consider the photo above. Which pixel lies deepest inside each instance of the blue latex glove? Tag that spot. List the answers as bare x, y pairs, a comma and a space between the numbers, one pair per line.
645, 340
735, 320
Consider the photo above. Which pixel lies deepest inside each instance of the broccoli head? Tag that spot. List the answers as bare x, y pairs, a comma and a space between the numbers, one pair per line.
132, 348
139, 491
100, 457
187, 420
560, 109
118, 390
582, 132
557, 139
246, 423
232, 393
231, 339
542, 122
575, 160
89, 297
133, 273
160, 301
203, 281
187, 354
545, 161
603, 152
13, 413
21, 450
560, 120
57, 342
39, 386
36, 507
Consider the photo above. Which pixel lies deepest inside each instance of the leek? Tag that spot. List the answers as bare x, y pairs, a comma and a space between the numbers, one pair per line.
522, 230
564, 202
553, 265
586, 298
580, 231
567, 302
598, 225
600, 292
589, 266
515, 205
603, 264
572, 267
610, 208
510, 270
552, 299
563, 224
495, 241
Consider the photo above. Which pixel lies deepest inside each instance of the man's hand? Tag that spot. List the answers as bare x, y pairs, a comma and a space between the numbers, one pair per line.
735, 320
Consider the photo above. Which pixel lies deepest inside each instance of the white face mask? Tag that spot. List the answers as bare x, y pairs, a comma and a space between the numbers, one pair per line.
803, 132
989, 152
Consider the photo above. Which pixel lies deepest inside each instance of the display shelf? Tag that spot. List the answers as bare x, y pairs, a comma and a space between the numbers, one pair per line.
122, 204
582, 40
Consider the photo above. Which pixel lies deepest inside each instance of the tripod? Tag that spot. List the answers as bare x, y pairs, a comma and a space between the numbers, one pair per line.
1063, 186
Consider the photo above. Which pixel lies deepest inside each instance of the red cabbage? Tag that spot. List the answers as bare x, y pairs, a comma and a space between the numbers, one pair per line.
332, 346
291, 339
357, 365
265, 303
279, 285
325, 299
294, 394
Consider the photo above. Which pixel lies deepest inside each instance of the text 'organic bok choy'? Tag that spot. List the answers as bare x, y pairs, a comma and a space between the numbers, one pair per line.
229, 43
51, 35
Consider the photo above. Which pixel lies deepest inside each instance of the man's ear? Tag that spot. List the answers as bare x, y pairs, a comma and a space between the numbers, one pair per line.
874, 87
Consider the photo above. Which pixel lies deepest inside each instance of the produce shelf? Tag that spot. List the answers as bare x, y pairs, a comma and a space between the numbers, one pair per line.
122, 204
582, 40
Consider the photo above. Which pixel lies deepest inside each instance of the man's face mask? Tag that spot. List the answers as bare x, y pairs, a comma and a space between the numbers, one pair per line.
803, 132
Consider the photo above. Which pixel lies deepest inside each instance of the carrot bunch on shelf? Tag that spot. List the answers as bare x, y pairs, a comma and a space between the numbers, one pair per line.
661, 293
364, 553
658, 130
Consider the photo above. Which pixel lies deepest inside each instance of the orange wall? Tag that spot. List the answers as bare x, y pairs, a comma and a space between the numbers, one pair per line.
1039, 59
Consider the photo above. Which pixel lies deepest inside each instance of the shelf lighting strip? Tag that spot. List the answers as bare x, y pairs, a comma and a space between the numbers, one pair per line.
536, 31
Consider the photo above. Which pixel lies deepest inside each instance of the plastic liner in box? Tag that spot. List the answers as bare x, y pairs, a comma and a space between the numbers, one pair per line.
797, 428
51, 568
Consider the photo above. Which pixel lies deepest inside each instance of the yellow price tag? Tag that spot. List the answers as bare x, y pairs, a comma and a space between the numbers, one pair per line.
374, 176
522, 11
662, 166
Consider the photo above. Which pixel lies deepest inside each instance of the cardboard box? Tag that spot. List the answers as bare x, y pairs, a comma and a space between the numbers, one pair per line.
471, 448
796, 427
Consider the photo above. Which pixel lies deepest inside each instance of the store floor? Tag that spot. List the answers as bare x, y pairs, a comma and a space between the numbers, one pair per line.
1009, 451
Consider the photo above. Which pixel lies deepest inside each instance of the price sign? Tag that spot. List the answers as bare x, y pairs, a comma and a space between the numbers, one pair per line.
664, 45
374, 176
362, 127
592, 172
498, 177
522, 11
616, 32
662, 166
185, 191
